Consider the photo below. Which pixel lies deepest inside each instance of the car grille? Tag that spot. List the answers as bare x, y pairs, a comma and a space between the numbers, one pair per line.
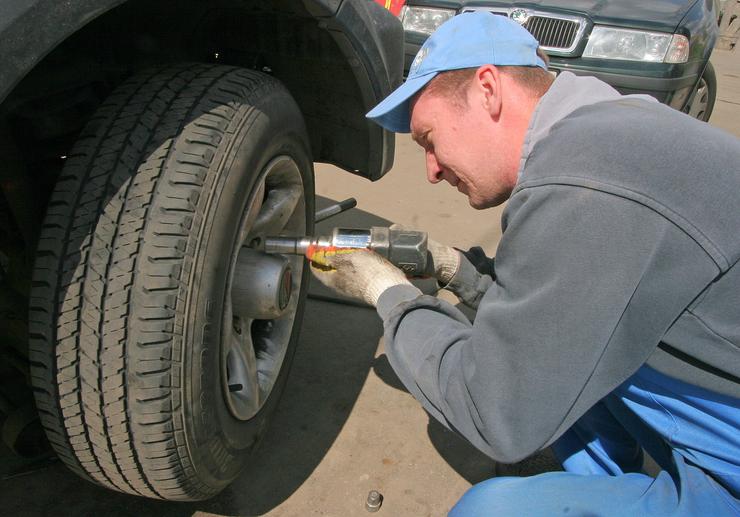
552, 32
557, 34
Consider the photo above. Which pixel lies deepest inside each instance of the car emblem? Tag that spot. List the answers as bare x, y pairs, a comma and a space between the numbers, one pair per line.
520, 16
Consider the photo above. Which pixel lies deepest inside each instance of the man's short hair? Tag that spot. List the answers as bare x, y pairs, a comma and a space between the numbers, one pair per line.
453, 83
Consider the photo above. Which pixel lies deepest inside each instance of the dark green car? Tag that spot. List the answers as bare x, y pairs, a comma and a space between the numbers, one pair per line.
661, 47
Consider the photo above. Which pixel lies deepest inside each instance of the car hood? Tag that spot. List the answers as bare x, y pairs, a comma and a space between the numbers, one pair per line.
664, 14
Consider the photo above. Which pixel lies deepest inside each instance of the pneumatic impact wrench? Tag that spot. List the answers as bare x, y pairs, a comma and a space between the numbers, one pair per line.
405, 249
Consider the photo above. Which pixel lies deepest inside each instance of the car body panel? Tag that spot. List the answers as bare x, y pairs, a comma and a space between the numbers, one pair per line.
51, 22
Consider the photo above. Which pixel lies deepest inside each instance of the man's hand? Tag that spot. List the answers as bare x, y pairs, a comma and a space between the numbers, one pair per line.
360, 274
445, 261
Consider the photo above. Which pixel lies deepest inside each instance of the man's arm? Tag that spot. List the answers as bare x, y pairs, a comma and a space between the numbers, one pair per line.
586, 285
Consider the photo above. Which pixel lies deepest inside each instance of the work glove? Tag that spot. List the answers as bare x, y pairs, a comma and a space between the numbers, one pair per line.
357, 273
467, 274
445, 261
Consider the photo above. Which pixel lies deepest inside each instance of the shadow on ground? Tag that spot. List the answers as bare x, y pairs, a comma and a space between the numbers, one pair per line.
469, 462
328, 372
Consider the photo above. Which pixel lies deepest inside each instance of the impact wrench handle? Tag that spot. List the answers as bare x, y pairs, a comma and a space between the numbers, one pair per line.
405, 249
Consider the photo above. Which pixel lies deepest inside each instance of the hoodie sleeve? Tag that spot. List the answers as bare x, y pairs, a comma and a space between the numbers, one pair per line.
584, 289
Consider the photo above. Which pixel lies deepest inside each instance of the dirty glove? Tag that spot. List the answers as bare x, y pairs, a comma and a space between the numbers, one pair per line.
473, 278
443, 262
357, 273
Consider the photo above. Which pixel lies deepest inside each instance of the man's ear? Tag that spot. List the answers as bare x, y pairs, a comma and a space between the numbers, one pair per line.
488, 85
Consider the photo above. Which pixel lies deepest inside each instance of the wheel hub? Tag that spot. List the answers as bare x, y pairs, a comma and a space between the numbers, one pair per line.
262, 291
262, 284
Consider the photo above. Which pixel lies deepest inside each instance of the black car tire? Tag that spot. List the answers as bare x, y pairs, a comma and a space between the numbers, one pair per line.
701, 102
133, 272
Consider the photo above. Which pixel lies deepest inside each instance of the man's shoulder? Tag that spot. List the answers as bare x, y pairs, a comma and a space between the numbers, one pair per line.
636, 115
683, 169
640, 144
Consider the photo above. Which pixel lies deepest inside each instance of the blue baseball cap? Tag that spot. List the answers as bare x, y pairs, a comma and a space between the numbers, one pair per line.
468, 40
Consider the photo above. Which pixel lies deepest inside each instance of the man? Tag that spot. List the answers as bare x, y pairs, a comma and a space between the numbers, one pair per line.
610, 321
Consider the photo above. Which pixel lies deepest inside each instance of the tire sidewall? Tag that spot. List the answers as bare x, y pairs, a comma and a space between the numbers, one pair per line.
217, 441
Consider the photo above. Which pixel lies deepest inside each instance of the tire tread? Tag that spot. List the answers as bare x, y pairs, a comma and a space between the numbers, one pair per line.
113, 264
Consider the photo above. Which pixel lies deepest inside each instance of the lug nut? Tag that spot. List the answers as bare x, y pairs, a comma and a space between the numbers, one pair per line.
374, 500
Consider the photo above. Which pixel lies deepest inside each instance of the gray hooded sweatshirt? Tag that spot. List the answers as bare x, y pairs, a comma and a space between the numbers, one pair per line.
620, 247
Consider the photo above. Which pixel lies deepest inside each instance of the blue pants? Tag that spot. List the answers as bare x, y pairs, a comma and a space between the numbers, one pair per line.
692, 434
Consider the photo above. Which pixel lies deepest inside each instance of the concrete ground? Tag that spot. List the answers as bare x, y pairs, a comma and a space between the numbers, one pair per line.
345, 425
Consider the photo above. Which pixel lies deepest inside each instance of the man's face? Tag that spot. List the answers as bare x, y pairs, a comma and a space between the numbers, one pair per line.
461, 147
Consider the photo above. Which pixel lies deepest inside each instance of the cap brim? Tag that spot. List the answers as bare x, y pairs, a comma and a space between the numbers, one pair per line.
393, 112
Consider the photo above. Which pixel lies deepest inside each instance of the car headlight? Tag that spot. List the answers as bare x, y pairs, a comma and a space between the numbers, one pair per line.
424, 19
636, 45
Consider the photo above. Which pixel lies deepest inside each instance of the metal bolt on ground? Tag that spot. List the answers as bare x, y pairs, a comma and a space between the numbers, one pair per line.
374, 501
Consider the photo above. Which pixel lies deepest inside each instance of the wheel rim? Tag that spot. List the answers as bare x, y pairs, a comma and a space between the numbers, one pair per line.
254, 345
700, 101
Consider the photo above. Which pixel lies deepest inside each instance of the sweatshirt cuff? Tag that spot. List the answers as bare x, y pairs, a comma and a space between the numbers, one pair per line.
395, 295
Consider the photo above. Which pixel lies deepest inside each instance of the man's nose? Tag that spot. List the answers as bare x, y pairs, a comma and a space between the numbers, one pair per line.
434, 171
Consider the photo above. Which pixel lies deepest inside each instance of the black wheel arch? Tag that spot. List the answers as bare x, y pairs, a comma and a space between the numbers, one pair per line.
337, 58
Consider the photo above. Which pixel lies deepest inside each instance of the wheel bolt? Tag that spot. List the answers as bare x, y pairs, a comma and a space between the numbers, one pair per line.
374, 500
